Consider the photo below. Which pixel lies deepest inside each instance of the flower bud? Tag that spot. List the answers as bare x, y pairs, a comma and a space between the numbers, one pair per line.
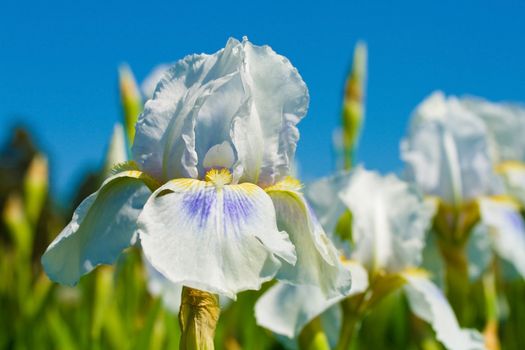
353, 104
131, 100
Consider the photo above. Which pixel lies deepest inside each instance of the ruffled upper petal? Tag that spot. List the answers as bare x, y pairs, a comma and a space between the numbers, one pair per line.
447, 150
244, 94
428, 302
507, 230
285, 309
195, 98
318, 261
102, 226
218, 238
149, 84
265, 134
389, 221
505, 123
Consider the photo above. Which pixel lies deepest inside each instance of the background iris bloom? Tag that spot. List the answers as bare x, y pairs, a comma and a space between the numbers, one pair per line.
470, 151
388, 227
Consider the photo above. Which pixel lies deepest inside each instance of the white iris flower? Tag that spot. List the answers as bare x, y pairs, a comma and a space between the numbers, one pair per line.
212, 155
447, 151
469, 149
388, 225
506, 126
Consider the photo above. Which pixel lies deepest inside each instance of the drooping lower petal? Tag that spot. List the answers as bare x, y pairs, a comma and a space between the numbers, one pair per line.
102, 226
214, 237
428, 302
506, 228
318, 262
285, 309
170, 292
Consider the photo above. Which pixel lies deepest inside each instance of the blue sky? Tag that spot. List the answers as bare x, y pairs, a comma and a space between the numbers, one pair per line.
58, 64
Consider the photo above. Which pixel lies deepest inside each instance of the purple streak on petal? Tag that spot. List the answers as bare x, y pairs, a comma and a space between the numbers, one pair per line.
237, 208
198, 205
516, 221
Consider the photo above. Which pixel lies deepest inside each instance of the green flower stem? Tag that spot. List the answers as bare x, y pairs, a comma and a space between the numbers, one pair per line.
491, 305
312, 336
198, 316
456, 277
351, 322
353, 310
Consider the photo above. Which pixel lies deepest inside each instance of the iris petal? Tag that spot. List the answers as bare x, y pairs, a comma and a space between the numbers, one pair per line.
506, 125
507, 230
285, 309
265, 133
102, 226
218, 239
318, 261
428, 302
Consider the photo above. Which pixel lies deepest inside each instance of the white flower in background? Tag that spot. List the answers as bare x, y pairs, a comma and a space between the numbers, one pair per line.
500, 216
447, 151
453, 151
285, 308
389, 223
212, 155
505, 123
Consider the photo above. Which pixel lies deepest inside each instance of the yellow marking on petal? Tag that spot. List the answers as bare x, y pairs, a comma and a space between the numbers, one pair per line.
509, 165
288, 184
185, 184
248, 188
347, 261
124, 166
219, 177
506, 200
137, 174
416, 272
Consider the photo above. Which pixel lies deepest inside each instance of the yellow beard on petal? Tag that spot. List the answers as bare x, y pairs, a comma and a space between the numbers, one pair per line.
219, 177
287, 184
509, 165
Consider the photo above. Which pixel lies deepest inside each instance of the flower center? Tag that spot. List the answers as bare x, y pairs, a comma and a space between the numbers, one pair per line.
219, 177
